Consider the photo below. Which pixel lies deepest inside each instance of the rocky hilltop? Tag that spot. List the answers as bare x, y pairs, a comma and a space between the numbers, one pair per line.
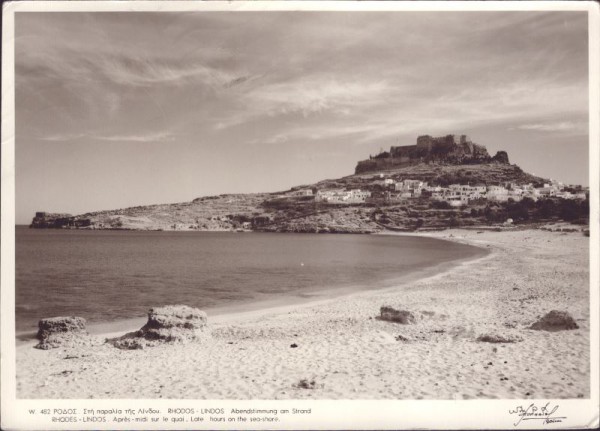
437, 183
44, 220
447, 150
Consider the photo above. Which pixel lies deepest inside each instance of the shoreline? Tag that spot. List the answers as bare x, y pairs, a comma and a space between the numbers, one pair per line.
343, 346
228, 314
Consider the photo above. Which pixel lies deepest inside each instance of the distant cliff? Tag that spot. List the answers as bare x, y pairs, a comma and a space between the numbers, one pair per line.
44, 220
445, 150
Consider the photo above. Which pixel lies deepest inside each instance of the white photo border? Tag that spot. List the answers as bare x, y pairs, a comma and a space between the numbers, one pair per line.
326, 414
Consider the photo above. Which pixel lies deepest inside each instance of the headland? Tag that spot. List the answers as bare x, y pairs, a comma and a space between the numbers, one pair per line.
438, 183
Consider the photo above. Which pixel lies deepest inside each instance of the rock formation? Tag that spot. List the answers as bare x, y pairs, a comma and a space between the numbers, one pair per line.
499, 338
170, 324
555, 321
44, 220
62, 332
501, 157
397, 316
449, 149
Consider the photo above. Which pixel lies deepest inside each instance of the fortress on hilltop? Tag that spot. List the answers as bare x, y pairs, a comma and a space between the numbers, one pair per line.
447, 150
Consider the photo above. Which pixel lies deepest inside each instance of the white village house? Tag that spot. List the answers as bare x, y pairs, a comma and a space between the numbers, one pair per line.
355, 196
455, 194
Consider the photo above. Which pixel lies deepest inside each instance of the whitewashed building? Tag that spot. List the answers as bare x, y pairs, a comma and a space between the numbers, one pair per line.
303, 192
387, 182
342, 196
357, 196
497, 193
414, 187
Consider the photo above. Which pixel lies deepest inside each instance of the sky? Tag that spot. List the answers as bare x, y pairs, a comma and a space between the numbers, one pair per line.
134, 108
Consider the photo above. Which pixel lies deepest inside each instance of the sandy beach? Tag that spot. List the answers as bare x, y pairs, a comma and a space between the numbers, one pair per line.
344, 352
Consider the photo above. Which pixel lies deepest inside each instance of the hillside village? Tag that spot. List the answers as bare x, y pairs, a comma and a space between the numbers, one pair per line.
455, 195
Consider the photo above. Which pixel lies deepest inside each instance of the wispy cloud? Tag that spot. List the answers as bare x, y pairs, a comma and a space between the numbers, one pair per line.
150, 137
560, 126
142, 137
316, 95
125, 70
65, 137
205, 77
148, 72
312, 96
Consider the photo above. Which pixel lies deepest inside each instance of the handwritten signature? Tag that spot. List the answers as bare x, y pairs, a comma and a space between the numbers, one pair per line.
545, 413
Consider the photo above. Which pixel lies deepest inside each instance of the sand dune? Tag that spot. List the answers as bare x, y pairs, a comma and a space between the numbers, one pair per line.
344, 352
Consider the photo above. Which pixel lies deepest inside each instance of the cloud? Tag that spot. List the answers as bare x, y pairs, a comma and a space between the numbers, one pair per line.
134, 70
560, 126
369, 113
311, 96
239, 81
149, 137
315, 95
143, 137
61, 137
149, 72
285, 77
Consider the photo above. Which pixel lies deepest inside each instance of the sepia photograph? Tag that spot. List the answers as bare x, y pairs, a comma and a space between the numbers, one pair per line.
276, 202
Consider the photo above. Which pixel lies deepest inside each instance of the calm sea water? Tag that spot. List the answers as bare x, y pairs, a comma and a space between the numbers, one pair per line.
107, 275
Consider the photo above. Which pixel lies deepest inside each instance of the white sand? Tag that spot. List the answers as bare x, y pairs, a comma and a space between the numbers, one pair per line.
351, 355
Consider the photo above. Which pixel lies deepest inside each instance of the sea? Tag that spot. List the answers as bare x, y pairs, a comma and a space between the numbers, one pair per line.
107, 276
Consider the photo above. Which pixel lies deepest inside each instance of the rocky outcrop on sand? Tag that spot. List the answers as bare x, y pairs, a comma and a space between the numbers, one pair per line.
499, 338
555, 321
390, 314
62, 332
169, 324
308, 384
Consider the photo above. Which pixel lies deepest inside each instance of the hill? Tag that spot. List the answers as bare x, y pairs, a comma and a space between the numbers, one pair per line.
438, 183
296, 211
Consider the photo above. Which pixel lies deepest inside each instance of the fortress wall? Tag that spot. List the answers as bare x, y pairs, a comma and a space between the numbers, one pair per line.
425, 142
403, 151
452, 149
383, 164
444, 144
